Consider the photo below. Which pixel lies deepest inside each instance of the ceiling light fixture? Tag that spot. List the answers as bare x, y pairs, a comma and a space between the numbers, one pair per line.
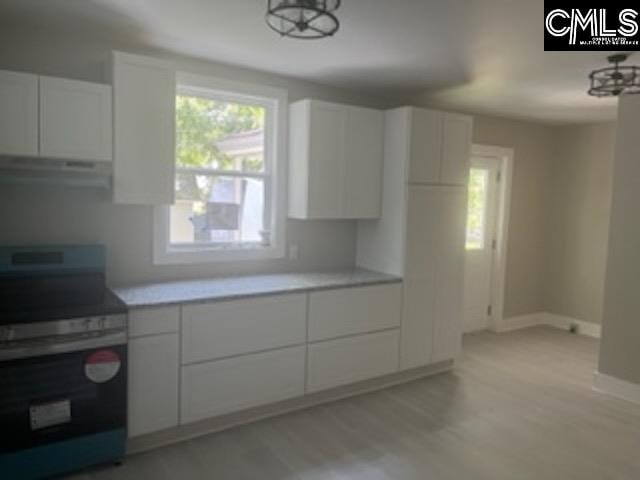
307, 19
616, 80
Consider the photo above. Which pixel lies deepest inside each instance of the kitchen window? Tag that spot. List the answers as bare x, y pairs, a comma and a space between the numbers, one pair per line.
228, 174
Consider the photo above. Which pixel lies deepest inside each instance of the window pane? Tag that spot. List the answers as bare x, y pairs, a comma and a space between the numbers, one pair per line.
217, 209
477, 206
219, 135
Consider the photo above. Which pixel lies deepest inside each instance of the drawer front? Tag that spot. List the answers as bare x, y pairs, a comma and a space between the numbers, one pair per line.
223, 329
215, 388
152, 321
153, 383
347, 360
335, 313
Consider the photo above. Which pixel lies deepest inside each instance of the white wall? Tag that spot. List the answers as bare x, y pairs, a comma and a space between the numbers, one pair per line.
53, 215
579, 220
620, 345
56, 215
526, 251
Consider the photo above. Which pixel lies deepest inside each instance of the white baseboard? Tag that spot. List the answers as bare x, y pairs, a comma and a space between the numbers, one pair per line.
585, 328
553, 320
615, 387
523, 321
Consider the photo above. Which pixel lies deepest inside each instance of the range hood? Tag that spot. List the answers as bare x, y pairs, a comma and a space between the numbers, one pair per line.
76, 173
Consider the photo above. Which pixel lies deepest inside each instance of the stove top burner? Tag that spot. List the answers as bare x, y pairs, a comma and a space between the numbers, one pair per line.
45, 283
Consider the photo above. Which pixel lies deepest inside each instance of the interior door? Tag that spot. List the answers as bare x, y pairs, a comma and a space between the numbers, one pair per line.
480, 241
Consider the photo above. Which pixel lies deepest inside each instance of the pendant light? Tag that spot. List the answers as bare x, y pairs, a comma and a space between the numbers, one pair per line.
306, 19
615, 80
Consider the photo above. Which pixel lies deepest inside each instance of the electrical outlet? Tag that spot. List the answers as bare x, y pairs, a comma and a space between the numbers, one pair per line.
293, 251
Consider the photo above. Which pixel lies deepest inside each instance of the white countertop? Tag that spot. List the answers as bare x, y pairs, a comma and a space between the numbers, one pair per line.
225, 288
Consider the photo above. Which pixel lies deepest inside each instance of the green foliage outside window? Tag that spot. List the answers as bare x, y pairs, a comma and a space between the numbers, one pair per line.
477, 196
201, 122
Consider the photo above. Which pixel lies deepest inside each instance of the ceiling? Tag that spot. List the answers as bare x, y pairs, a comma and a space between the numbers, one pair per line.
483, 56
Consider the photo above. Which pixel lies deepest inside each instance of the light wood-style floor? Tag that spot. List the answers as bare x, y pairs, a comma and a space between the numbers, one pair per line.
518, 406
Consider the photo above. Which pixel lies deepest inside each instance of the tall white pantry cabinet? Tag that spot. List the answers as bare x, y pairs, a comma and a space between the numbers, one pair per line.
420, 233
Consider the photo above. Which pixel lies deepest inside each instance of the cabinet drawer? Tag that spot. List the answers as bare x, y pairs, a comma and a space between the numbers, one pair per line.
153, 383
223, 386
152, 321
223, 329
346, 360
335, 313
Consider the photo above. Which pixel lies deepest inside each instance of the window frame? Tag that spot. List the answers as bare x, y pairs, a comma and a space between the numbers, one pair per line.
275, 102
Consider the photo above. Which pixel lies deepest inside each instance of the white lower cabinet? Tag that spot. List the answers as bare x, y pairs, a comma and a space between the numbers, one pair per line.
153, 383
348, 311
224, 386
434, 284
351, 359
198, 361
224, 329
417, 323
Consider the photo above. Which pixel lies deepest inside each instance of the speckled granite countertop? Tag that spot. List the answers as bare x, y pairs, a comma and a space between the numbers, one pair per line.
225, 288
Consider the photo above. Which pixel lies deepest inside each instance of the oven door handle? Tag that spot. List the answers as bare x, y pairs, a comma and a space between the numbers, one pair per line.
53, 346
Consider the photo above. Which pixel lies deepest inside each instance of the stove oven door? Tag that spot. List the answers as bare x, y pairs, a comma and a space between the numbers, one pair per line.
62, 396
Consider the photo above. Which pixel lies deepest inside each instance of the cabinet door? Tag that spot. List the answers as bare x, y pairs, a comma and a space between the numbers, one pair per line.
144, 93
299, 134
215, 388
153, 383
425, 146
352, 359
223, 329
420, 289
433, 290
18, 114
456, 149
347, 311
417, 321
422, 230
326, 160
447, 328
75, 119
363, 163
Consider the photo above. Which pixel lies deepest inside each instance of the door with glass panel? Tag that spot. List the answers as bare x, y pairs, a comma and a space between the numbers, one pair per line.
480, 241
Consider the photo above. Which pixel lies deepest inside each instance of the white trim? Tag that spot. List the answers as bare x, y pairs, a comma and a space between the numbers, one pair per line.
521, 321
499, 267
276, 100
616, 387
589, 329
550, 319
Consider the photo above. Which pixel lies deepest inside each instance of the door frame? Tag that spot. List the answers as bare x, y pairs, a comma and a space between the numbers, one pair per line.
505, 157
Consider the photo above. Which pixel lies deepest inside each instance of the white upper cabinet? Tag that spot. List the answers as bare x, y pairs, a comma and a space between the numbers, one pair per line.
75, 120
425, 146
439, 146
18, 114
363, 163
144, 91
456, 149
327, 138
336, 154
